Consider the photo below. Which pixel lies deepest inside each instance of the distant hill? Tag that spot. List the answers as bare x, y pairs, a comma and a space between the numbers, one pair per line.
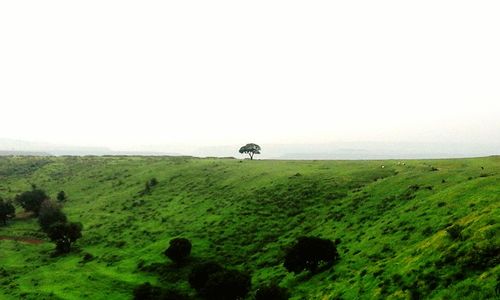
19, 147
318, 151
359, 150
22, 153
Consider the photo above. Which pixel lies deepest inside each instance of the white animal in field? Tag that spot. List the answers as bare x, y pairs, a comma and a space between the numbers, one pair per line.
383, 166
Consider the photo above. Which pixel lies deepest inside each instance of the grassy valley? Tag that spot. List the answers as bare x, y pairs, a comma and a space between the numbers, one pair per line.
407, 229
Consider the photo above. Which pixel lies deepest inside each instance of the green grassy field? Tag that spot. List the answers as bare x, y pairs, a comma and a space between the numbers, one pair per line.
391, 221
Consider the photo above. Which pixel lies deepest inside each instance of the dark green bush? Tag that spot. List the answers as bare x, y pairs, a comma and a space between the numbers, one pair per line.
64, 235
146, 291
428, 231
272, 292
61, 196
455, 231
226, 285
179, 249
308, 253
200, 273
152, 182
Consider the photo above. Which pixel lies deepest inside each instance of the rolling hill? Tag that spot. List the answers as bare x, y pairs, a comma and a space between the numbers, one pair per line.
408, 229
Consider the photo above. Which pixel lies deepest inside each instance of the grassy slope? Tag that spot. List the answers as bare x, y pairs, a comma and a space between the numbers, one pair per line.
242, 214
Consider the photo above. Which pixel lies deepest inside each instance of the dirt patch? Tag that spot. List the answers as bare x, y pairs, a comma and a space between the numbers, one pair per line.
27, 240
23, 215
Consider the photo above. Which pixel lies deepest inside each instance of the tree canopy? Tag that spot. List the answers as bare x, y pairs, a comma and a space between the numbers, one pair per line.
250, 149
64, 234
50, 213
32, 200
7, 211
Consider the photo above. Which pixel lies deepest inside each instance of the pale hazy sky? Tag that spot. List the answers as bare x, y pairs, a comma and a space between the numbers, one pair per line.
126, 73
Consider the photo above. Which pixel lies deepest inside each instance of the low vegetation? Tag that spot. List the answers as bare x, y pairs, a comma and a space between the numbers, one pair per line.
188, 228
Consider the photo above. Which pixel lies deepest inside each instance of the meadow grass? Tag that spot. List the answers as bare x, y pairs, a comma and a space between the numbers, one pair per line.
393, 223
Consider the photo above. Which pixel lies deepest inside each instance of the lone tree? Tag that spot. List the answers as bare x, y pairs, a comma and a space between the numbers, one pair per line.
308, 253
64, 234
250, 149
32, 200
179, 249
7, 211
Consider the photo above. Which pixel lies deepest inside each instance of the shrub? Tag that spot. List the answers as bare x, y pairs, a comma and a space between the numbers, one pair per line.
7, 211
152, 182
50, 213
226, 285
455, 231
32, 200
272, 292
87, 257
427, 231
179, 249
200, 273
146, 291
147, 189
148, 185
61, 196
308, 253
172, 295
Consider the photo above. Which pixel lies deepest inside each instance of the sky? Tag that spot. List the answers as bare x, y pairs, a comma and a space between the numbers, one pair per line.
122, 74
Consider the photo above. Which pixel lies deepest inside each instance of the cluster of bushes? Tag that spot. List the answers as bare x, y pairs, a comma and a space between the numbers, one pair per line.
213, 281
32, 200
55, 224
51, 218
